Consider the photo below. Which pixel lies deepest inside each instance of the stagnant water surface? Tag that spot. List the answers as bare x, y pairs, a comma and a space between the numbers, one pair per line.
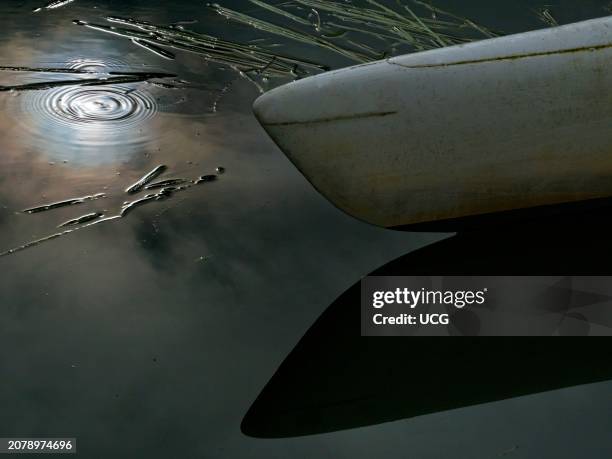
159, 256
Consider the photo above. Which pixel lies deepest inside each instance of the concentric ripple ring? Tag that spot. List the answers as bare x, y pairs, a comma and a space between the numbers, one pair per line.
112, 107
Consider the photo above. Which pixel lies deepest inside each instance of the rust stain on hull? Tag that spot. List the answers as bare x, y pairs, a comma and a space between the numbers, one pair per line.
511, 57
334, 119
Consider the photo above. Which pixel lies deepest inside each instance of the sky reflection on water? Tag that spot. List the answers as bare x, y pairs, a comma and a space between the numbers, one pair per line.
152, 335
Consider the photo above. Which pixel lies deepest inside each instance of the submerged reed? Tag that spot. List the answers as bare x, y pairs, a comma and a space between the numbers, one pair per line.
359, 32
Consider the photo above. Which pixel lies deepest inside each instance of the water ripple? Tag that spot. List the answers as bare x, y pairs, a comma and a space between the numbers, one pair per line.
112, 108
90, 124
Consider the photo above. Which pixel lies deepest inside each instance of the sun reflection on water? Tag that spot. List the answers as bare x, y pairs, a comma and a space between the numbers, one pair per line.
87, 125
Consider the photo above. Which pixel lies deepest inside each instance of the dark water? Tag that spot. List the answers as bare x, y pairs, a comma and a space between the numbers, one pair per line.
149, 335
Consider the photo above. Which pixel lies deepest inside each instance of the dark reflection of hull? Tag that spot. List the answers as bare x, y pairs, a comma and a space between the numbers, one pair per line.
334, 379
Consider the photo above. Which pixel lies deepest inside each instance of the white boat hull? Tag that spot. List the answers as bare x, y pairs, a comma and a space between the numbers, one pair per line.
507, 123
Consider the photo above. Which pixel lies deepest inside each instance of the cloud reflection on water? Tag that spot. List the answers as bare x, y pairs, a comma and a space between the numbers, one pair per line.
151, 337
